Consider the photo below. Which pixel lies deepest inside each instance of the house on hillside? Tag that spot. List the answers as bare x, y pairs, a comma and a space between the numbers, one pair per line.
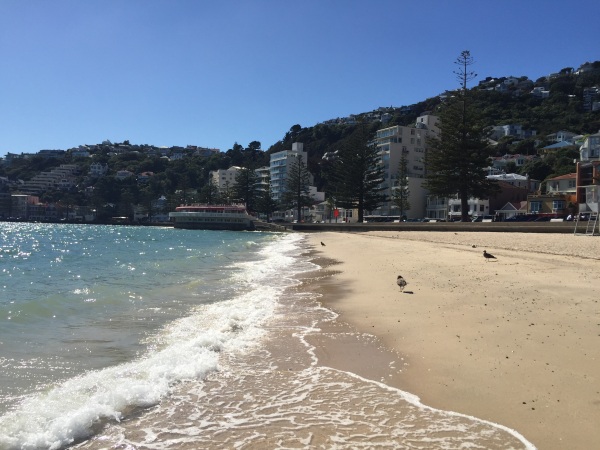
501, 162
98, 169
123, 174
515, 130
562, 136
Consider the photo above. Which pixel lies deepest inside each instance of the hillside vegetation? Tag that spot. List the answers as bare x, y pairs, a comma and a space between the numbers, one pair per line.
563, 109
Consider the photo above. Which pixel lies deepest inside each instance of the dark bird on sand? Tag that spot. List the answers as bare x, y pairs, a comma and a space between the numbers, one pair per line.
401, 282
488, 256
322, 244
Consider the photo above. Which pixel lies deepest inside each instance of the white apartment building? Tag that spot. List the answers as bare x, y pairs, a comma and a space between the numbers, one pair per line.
410, 142
279, 166
263, 174
53, 179
224, 178
590, 149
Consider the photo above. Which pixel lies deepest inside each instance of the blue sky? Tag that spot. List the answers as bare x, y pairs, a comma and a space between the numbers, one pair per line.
212, 73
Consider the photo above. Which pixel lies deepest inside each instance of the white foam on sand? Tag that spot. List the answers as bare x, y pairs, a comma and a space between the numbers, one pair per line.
187, 349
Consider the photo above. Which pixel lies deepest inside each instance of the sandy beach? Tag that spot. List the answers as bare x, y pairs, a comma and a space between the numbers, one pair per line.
514, 340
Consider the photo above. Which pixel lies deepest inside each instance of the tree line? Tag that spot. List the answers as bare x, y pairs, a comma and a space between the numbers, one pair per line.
351, 178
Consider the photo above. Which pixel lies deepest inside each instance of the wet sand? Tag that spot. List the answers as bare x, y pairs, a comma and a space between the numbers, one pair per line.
513, 340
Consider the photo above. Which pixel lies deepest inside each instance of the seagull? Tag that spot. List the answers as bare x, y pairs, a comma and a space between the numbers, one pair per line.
400, 281
322, 243
488, 256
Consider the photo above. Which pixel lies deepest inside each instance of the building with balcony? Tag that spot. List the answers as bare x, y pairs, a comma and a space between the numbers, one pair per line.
588, 175
224, 179
279, 165
395, 143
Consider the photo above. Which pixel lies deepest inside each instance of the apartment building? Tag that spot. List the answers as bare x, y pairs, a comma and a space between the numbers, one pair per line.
224, 179
588, 172
57, 178
279, 165
396, 142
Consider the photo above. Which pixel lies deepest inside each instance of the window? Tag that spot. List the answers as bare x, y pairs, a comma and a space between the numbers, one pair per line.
535, 206
558, 204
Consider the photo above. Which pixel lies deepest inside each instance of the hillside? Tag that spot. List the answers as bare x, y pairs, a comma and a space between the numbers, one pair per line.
563, 109
562, 102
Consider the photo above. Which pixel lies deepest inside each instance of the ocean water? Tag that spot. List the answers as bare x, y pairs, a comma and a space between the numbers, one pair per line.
156, 338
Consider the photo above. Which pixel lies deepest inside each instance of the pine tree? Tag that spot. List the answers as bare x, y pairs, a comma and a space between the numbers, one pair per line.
297, 188
401, 192
357, 175
210, 193
265, 203
244, 188
456, 159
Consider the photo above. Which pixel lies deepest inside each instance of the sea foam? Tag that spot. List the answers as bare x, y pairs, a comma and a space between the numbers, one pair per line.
185, 349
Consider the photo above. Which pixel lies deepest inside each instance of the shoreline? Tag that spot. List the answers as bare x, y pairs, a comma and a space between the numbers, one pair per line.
513, 342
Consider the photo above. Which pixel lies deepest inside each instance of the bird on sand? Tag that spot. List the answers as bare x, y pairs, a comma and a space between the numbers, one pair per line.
488, 256
322, 243
401, 282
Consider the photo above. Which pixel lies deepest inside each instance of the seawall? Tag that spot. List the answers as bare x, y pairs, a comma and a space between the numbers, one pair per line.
500, 227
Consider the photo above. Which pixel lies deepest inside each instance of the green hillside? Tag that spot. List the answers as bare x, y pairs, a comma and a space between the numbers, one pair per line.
564, 108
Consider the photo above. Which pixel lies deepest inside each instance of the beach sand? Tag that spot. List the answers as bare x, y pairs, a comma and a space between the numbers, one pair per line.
515, 341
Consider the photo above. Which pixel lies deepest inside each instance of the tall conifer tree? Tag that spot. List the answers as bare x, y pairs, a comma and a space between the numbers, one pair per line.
456, 159
401, 192
357, 174
297, 188
245, 187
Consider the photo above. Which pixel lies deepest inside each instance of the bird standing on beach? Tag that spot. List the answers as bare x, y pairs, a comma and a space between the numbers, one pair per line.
322, 243
401, 282
488, 256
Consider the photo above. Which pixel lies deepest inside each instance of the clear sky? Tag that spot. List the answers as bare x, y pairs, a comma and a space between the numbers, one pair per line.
212, 73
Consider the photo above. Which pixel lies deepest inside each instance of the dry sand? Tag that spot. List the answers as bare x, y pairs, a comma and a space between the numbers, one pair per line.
515, 341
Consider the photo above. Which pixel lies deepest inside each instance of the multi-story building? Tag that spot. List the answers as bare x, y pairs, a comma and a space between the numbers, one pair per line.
59, 176
588, 172
224, 179
393, 144
279, 165
98, 169
263, 174
515, 130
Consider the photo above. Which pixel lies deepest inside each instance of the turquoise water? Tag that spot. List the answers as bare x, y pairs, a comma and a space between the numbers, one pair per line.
75, 298
135, 337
